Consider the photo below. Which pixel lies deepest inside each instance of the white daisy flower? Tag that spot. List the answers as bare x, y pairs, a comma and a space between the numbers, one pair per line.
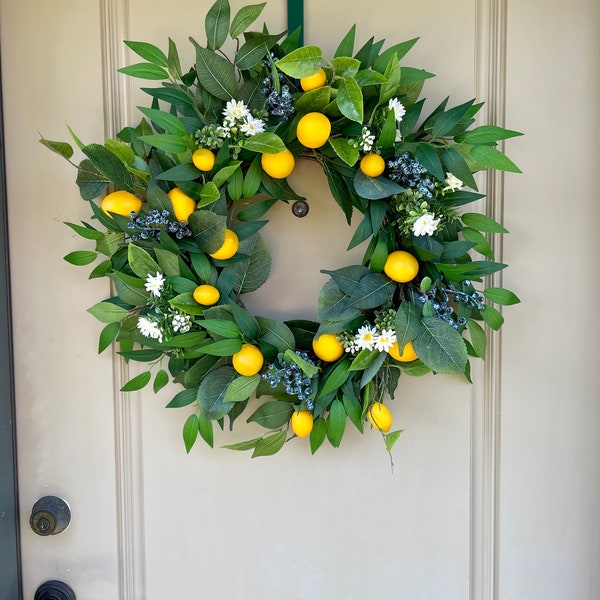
365, 337
425, 225
452, 183
252, 126
235, 111
149, 328
154, 284
385, 340
398, 108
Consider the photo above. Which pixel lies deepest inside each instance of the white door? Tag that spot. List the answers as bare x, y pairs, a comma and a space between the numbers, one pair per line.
495, 486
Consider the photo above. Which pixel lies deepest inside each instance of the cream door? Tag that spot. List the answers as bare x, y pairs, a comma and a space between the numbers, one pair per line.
495, 488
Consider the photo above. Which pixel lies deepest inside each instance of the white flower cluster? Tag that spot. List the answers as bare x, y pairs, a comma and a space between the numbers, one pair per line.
366, 141
425, 225
236, 114
399, 112
181, 323
370, 338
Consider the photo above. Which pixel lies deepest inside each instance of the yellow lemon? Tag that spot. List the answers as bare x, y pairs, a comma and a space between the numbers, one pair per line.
372, 165
408, 352
248, 361
121, 203
183, 205
206, 294
380, 417
312, 82
313, 130
229, 248
203, 159
278, 165
302, 423
401, 266
327, 347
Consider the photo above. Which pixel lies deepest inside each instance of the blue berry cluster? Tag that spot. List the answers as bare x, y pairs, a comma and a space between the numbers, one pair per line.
151, 224
441, 310
279, 103
470, 297
410, 173
291, 375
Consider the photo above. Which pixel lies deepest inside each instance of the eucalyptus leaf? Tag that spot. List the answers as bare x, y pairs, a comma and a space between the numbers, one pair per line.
137, 382
501, 296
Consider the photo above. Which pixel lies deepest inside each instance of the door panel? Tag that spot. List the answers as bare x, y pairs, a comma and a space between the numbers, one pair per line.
150, 521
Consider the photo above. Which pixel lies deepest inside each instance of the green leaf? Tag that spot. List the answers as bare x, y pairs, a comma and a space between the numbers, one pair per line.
107, 312
346, 47
145, 71
372, 370
164, 120
344, 66
245, 321
279, 188
222, 175
445, 122
440, 347
216, 74
272, 414
81, 257
375, 188
182, 398
208, 229
146, 355
486, 134
387, 137
391, 438
250, 187
211, 393
270, 444
400, 50
140, 261
457, 165
428, 157
148, 52
314, 100
347, 278
187, 340
160, 380
339, 191
137, 383
265, 143
255, 210
185, 303
481, 244
172, 144
220, 327
130, 289
494, 159
348, 153
276, 333
350, 100
309, 370
247, 445
205, 428
456, 249
501, 296
478, 338
254, 49
492, 317
106, 163
216, 24
392, 74
317, 435
242, 388
335, 378
336, 423
190, 432
173, 60
244, 18
481, 222
251, 273
408, 324
363, 359
373, 290
61, 148
301, 62
107, 336
227, 347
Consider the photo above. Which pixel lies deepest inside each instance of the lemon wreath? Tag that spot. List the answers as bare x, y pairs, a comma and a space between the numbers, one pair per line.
179, 234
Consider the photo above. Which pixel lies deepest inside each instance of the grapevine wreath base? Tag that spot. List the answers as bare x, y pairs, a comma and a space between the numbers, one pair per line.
179, 233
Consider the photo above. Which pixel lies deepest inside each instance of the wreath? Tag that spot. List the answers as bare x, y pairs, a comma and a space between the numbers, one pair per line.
178, 234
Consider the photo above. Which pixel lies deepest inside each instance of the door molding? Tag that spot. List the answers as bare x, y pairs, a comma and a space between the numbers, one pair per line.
490, 83
10, 567
129, 471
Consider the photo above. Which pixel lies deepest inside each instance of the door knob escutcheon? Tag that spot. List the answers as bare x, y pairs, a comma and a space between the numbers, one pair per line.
54, 590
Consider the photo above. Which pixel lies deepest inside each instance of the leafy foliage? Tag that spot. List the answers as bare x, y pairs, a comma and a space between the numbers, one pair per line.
380, 322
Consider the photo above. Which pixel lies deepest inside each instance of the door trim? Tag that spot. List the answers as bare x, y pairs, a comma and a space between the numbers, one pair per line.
10, 558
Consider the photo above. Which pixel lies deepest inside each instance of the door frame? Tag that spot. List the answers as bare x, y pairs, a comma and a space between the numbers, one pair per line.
10, 567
